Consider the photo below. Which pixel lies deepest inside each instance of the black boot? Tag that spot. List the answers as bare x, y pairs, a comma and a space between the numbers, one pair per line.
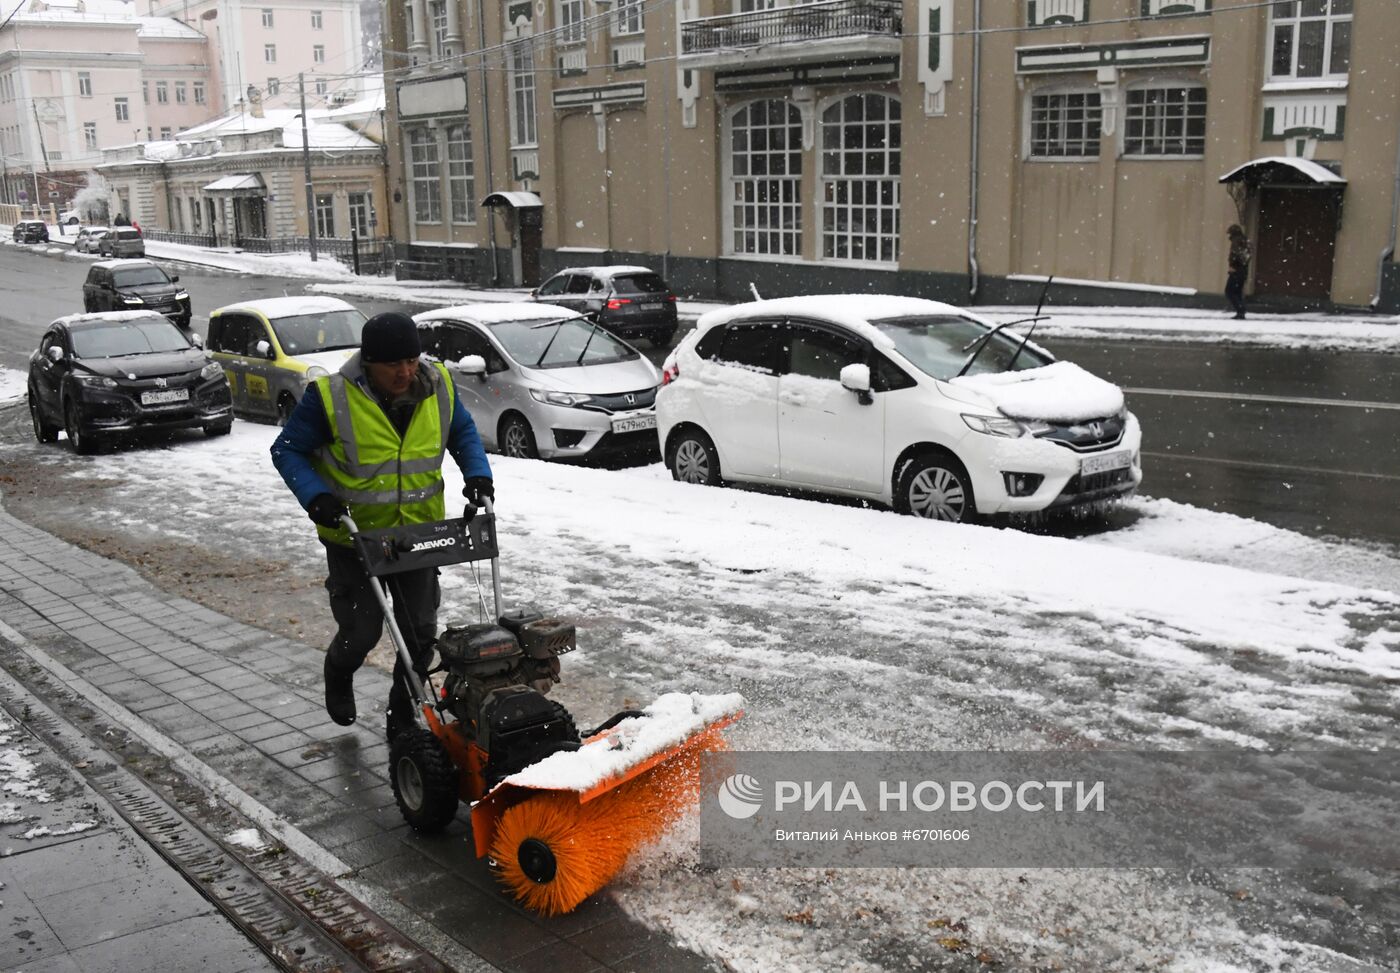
340, 694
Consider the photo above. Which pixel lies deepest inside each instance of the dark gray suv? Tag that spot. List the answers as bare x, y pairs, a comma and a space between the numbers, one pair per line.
631, 302
136, 285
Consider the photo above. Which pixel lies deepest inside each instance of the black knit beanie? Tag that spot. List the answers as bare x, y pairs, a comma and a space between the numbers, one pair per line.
389, 337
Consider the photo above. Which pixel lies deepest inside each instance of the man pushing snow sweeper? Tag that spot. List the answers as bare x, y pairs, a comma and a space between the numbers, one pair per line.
557, 811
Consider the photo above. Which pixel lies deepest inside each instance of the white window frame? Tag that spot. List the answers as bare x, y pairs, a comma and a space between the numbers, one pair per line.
756, 223
90, 134
122, 108
409, 33
461, 171
316, 20
523, 131
162, 92
318, 53
182, 93
165, 133
324, 204
361, 206
1157, 117
437, 25
1059, 111
628, 18
84, 84
274, 85
199, 93
270, 53
320, 86
838, 244
424, 175
569, 17
1332, 28
267, 19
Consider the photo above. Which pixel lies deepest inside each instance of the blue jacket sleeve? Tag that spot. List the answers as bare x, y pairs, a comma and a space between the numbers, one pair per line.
306, 431
464, 442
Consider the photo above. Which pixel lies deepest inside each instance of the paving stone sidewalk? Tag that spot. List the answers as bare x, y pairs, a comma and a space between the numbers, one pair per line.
244, 708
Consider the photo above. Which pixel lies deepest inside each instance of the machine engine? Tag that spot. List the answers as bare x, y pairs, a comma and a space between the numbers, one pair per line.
497, 678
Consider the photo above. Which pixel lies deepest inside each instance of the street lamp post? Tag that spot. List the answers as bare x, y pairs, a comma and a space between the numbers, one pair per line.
306, 168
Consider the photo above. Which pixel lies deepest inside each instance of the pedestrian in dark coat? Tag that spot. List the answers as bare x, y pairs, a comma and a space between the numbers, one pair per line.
1239, 269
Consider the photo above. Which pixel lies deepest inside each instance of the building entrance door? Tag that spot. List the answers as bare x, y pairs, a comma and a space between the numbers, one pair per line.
1297, 242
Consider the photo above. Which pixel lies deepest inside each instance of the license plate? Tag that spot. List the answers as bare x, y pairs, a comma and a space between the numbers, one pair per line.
634, 423
1105, 462
169, 395
651, 305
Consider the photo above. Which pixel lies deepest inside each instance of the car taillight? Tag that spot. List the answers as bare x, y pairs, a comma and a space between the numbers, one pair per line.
616, 302
671, 298
670, 372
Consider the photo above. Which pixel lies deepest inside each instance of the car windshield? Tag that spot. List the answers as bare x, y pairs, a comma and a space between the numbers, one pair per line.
137, 276
639, 284
550, 343
305, 334
143, 336
935, 344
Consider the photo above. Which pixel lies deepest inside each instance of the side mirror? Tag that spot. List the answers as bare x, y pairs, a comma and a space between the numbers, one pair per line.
196, 340
473, 365
264, 349
856, 378
55, 353
174, 278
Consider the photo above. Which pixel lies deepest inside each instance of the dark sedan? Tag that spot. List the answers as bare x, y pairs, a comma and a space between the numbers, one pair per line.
95, 375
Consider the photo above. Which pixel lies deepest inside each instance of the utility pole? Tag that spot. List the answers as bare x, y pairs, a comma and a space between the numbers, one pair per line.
39, 130
306, 168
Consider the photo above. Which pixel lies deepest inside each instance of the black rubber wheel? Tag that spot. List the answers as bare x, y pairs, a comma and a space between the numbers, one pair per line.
219, 429
517, 439
285, 406
84, 443
424, 780
44, 432
692, 458
937, 487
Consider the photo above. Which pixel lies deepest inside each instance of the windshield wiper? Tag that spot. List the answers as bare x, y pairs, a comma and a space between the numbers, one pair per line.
556, 326
593, 325
984, 339
1031, 330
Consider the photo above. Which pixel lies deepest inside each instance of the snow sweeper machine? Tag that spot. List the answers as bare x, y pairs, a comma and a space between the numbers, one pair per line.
557, 812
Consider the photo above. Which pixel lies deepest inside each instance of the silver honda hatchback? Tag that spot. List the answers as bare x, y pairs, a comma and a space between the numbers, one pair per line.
541, 380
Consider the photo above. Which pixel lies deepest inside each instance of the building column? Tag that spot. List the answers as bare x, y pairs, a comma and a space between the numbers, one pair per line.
418, 10
454, 29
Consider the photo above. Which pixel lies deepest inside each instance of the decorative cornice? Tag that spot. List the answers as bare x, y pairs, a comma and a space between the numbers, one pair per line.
1149, 52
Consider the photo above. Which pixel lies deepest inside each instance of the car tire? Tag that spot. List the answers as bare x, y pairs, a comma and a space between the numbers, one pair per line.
935, 486
218, 429
44, 431
517, 438
692, 458
286, 405
83, 442
424, 780
662, 338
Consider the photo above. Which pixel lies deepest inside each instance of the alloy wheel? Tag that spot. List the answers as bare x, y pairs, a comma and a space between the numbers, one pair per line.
692, 462
938, 494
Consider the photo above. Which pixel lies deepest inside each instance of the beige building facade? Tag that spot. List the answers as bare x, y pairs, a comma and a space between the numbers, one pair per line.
957, 149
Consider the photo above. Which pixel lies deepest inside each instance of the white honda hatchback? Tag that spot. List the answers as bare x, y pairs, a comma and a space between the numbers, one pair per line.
911, 403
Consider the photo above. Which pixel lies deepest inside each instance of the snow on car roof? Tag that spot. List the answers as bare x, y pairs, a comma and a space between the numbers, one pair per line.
854, 311
497, 312
106, 317
285, 307
609, 271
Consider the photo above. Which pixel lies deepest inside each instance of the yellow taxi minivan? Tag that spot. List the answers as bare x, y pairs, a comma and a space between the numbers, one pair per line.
271, 349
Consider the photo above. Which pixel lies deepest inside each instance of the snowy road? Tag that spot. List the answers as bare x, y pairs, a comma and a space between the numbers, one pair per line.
856, 629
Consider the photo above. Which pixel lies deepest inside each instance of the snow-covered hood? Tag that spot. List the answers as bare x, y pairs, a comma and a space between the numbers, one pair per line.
1060, 392
605, 379
329, 360
148, 365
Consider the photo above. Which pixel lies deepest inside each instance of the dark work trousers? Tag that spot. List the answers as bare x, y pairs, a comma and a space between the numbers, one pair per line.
1234, 289
415, 596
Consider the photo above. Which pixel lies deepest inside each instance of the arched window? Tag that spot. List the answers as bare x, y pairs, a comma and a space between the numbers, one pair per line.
860, 179
765, 179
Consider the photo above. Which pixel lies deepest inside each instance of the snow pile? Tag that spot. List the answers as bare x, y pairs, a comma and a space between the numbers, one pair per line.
670, 721
12, 384
1061, 392
246, 838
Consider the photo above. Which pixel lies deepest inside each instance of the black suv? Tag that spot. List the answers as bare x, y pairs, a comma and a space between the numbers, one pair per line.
135, 285
629, 301
31, 231
99, 374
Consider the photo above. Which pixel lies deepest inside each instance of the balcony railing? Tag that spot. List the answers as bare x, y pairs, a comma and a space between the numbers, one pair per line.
791, 25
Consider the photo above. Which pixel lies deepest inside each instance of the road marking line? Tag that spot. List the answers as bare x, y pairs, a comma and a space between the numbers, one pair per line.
1270, 466
1283, 399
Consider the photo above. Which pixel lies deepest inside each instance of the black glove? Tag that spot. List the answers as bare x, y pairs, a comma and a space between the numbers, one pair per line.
326, 510
478, 488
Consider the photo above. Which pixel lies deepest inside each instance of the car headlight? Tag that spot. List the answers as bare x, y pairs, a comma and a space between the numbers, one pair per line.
95, 381
182, 296
995, 426
560, 398
132, 299
313, 373
211, 370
